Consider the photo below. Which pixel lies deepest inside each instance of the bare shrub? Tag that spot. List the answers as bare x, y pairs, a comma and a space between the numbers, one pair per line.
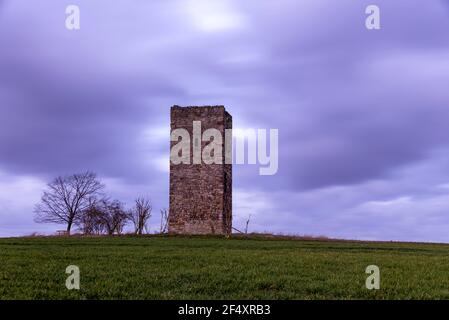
103, 216
140, 214
164, 220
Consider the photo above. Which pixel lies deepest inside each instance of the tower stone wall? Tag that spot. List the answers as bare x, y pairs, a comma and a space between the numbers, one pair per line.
201, 194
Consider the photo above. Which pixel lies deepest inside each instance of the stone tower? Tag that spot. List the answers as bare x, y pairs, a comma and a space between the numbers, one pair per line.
201, 194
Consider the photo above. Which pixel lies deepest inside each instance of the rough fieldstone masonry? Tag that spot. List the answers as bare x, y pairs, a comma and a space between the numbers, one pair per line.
200, 194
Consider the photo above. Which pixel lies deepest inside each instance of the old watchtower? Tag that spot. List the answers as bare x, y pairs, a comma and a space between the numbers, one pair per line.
200, 193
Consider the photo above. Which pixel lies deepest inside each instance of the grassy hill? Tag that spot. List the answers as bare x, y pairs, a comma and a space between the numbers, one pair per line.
161, 267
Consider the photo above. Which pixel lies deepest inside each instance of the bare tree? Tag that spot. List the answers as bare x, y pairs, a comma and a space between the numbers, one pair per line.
164, 220
67, 198
114, 216
103, 216
247, 223
91, 220
140, 214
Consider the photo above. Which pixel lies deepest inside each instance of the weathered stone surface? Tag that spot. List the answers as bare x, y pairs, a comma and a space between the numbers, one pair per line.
201, 194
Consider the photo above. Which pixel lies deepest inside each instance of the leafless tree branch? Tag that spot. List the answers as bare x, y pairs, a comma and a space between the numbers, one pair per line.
67, 198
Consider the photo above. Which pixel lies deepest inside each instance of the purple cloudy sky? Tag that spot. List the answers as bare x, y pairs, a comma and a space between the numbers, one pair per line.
362, 115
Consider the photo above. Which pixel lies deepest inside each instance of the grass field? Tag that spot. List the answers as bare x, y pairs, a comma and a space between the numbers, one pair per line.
157, 267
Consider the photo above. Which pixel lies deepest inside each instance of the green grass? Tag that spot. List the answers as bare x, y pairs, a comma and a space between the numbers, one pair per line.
216, 268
